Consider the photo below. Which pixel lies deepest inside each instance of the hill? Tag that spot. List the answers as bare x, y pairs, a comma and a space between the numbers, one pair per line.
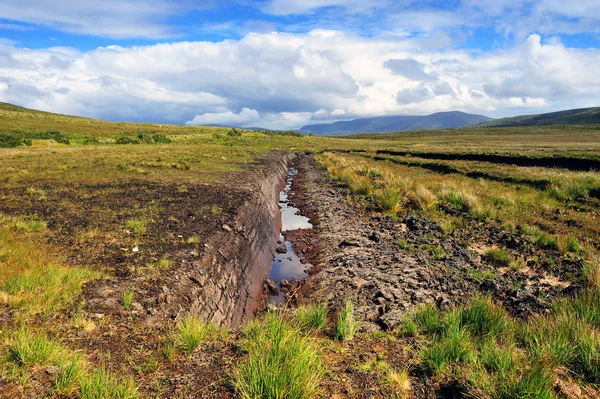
385, 124
581, 116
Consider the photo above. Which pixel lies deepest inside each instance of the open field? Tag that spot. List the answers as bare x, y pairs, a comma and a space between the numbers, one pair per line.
95, 235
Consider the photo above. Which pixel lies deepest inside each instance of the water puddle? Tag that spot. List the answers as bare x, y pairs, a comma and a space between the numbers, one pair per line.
287, 265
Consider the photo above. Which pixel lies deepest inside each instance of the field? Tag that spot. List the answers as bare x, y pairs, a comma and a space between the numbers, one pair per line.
98, 215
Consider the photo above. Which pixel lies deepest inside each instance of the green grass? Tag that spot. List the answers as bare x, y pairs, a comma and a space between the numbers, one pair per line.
137, 226
311, 317
103, 385
389, 200
28, 349
497, 257
192, 333
127, 298
426, 319
459, 201
70, 377
282, 362
346, 325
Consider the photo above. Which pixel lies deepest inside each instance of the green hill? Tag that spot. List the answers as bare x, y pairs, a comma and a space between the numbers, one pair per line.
581, 116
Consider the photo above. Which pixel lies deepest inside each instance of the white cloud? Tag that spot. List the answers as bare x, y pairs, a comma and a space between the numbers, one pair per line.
246, 117
283, 81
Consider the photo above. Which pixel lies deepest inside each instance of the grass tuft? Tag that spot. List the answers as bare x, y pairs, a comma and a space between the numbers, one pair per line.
497, 257
312, 317
389, 200
137, 226
101, 384
346, 325
127, 298
192, 332
282, 363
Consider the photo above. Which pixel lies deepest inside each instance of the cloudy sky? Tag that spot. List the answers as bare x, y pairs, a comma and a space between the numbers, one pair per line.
285, 63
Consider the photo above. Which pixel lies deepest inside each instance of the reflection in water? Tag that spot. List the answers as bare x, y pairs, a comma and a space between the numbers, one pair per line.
287, 266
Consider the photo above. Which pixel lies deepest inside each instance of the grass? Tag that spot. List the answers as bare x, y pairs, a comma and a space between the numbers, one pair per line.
346, 325
389, 200
192, 332
311, 317
28, 349
33, 276
127, 298
137, 226
497, 257
103, 385
507, 358
282, 362
74, 169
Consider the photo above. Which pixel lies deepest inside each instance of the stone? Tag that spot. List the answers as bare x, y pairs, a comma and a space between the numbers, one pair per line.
375, 237
52, 370
348, 243
281, 250
392, 320
271, 287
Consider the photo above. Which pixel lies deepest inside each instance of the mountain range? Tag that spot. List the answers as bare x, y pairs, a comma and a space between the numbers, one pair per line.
386, 124
581, 116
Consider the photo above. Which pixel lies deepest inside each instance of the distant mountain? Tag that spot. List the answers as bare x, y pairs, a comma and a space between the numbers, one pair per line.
582, 116
386, 124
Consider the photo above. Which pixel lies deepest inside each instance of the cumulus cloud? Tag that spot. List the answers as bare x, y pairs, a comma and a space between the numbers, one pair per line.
409, 68
246, 117
282, 80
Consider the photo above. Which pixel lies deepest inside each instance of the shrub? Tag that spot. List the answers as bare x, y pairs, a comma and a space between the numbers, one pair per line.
281, 362
234, 133
311, 318
127, 140
161, 139
346, 325
9, 141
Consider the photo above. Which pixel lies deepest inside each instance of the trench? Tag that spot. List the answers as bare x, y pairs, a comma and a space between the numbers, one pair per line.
287, 268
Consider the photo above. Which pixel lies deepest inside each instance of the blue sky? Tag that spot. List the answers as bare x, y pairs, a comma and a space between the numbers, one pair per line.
282, 64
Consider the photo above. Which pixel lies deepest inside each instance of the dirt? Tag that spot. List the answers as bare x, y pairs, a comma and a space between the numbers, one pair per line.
387, 266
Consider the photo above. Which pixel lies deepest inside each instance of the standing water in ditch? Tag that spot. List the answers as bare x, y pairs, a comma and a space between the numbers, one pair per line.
287, 265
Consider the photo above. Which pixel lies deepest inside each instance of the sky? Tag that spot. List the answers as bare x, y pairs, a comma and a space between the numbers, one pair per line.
282, 64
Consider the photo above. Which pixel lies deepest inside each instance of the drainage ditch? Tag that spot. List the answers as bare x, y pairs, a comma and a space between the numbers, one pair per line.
287, 269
